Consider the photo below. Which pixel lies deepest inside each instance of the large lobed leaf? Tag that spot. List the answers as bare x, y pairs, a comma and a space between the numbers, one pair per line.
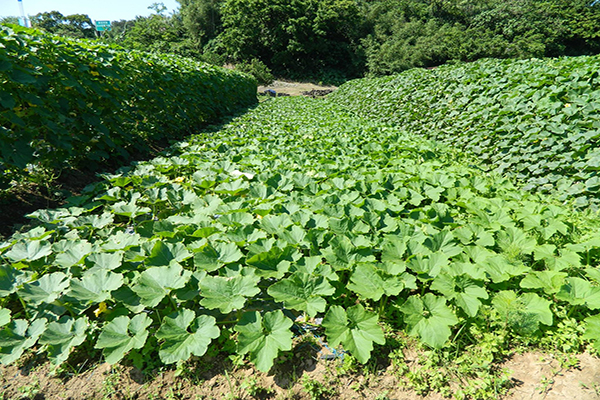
184, 334
355, 329
429, 318
262, 337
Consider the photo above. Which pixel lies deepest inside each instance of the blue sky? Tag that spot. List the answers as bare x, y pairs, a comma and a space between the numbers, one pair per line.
97, 9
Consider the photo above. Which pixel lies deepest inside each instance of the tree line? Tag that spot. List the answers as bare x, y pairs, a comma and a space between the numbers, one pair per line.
334, 40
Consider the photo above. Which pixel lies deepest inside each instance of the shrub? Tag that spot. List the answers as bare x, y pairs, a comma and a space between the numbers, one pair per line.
68, 102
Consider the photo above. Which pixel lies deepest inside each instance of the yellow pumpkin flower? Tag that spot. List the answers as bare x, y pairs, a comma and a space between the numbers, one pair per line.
101, 308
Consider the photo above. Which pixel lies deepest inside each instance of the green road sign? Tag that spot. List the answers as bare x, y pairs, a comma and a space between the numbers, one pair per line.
102, 26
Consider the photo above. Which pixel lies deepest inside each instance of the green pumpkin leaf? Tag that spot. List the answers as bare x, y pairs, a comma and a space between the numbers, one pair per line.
44, 290
592, 330
107, 261
237, 219
94, 287
523, 313
393, 251
157, 282
483, 238
593, 273
302, 292
514, 241
429, 318
538, 306
62, 336
262, 337
18, 336
545, 251
185, 335
577, 291
129, 299
428, 267
274, 224
464, 290
4, 316
121, 241
121, 335
130, 209
355, 329
29, 251
228, 293
73, 254
294, 235
342, 254
210, 258
371, 282
10, 279
443, 242
273, 263
314, 266
164, 253
549, 281
567, 259
500, 269
232, 187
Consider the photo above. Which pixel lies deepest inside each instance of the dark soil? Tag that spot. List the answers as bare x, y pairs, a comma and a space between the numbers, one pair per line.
25, 198
28, 198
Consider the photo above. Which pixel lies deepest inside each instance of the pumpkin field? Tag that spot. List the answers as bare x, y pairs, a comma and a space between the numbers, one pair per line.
425, 228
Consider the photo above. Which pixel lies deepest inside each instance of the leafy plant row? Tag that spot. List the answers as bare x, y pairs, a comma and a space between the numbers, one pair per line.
537, 120
67, 102
296, 212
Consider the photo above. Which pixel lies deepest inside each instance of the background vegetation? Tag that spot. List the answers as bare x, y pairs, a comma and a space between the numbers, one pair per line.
336, 40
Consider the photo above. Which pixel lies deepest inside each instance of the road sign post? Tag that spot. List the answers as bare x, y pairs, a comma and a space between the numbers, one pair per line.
102, 26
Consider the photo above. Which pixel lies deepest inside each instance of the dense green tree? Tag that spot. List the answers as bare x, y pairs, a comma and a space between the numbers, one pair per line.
9, 20
157, 32
202, 19
338, 39
76, 25
294, 37
423, 33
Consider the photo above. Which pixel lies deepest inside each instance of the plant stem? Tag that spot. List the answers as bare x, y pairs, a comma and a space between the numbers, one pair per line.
173, 303
382, 304
312, 324
24, 308
588, 257
457, 335
235, 321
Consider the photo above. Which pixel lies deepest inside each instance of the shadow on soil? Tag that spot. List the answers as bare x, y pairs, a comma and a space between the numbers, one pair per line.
27, 198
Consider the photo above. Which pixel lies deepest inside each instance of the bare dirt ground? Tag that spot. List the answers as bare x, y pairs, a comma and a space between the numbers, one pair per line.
293, 88
540, 376
536, 376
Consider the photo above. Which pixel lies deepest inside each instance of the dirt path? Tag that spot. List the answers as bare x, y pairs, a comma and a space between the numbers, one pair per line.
544, 377
536, 376
293, 88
